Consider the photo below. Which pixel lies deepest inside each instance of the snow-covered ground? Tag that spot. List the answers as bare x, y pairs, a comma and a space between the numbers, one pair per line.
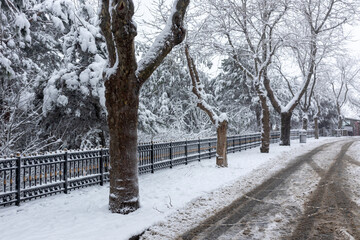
353, 172
199, 187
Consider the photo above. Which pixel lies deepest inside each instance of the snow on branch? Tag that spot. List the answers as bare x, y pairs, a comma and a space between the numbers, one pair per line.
172, 35
198, 90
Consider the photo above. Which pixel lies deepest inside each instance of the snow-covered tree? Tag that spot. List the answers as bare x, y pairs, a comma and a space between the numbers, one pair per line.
166, 93
235, 94
28, 55
166, 104
249, 29
342, 77
320, 19
124, 79
75, 93
220, 120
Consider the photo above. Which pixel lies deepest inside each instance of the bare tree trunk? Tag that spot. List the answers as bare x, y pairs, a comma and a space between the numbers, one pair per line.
122, 105
221, 156
285, 128
316, 122
265, 120
124, 78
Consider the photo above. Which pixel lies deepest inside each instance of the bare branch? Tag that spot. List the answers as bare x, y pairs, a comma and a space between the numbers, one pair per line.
197, 88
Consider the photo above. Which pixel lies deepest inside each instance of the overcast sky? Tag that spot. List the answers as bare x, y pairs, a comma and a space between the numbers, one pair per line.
142, 12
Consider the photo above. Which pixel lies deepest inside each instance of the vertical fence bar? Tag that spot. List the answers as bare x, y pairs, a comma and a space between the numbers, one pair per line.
152, 157
245, 143
233, 142
171, 155
71, 162
186, 152
209, 148
102, 167
199, 149
240, 143
18, 179
66, 177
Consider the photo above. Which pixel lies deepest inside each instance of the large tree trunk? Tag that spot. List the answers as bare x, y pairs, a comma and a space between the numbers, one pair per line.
316, 122
265, 124
221, 156
285, 128
123, 80
122, 106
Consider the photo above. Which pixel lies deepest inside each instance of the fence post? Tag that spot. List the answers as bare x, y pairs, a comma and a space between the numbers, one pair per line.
199, 149
186, 152
18, 179
101, 167
171, 155
152, 157
209, 148
66, 174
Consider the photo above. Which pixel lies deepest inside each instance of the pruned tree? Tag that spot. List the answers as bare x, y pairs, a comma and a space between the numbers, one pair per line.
124, 78
219, 120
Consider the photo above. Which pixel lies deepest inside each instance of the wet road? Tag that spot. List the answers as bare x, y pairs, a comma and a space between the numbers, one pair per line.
308, 199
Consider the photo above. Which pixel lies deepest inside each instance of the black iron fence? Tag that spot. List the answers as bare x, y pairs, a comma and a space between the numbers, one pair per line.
25, 178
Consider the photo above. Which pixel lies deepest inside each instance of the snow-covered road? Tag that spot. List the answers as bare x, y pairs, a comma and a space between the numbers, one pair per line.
309, 199
173, 201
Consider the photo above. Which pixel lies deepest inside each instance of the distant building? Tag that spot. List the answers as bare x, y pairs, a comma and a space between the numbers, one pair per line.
352, 126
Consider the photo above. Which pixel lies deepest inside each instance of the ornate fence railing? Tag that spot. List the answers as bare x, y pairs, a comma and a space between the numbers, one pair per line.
25, 178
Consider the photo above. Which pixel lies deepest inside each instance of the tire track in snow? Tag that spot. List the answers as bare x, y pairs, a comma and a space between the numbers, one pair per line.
330, 213
220, 223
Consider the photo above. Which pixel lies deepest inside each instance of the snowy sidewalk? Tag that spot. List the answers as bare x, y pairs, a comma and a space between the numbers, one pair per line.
165, 195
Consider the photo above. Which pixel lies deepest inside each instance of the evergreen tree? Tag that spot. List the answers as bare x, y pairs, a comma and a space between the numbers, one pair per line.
28, 54
75, 93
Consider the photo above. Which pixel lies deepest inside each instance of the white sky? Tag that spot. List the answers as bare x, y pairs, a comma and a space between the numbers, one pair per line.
353, 47
354, 41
